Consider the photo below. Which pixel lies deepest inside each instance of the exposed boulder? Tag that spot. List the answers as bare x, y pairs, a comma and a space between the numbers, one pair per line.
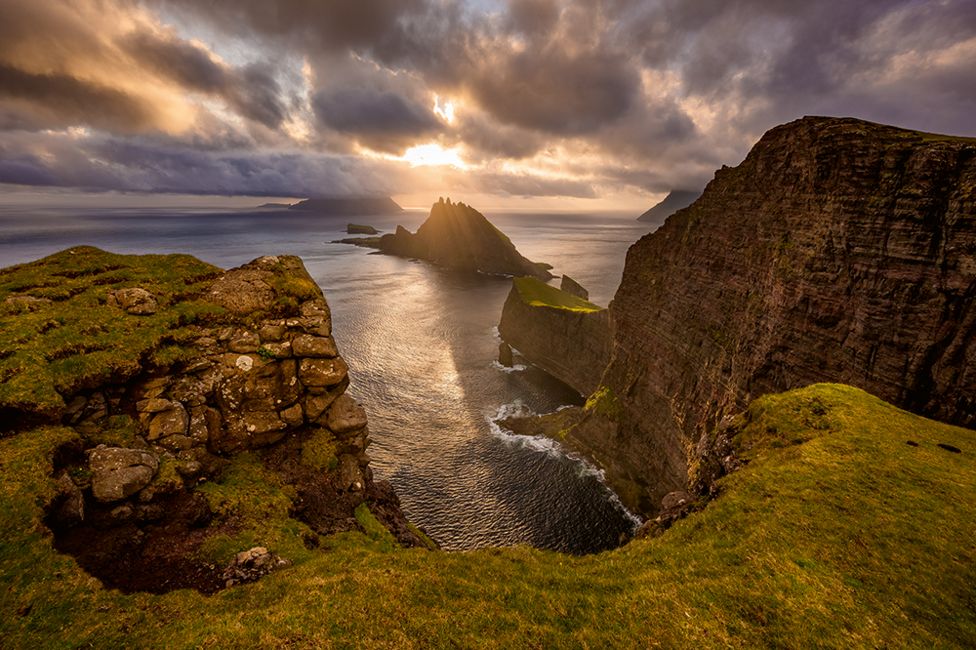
134, 300
251, 565
118, 473
346, 415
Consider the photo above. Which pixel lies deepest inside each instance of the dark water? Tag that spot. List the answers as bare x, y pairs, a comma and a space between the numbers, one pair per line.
420, 343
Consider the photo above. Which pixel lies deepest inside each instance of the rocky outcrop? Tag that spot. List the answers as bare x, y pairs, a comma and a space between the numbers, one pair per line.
839, 250
674, 201
456, 236
348, 206
557, 331
261, 374
569, 285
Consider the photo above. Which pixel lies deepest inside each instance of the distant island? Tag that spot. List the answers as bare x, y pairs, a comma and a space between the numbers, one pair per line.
361, 229
364, 205
275, 206
674, 201
457, 236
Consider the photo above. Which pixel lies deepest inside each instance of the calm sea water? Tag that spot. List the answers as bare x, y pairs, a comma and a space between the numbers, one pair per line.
421, 344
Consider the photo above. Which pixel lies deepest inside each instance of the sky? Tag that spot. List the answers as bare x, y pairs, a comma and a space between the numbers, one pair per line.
603, 104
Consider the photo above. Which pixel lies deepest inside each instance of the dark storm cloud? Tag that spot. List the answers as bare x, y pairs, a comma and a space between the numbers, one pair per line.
253, 91
148, 164
533, 16
321, 24
556, 91
381, 119
640, 93
63, 99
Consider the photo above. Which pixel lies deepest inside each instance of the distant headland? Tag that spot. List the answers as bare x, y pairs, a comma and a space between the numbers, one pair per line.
342, 205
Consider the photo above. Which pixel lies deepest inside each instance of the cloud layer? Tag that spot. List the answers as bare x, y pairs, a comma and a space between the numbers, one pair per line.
520, 98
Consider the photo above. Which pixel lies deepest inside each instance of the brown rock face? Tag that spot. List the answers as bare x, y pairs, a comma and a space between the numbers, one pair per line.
839, 250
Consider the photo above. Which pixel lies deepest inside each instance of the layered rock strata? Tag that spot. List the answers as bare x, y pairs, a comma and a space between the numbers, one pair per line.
839, 250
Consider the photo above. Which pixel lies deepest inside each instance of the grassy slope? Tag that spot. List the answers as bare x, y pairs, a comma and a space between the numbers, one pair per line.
536, 293
836, 534
76, 340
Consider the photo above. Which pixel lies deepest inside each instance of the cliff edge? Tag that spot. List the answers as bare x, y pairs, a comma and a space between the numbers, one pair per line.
838, 250
182, 397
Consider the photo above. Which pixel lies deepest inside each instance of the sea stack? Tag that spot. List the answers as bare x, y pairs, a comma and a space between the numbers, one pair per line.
456, 236
558, 331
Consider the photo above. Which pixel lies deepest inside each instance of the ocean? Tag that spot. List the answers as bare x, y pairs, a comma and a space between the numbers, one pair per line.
421, 344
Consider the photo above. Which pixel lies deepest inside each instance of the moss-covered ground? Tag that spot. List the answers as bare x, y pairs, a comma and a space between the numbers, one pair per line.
59, 335
537, 293
837, 533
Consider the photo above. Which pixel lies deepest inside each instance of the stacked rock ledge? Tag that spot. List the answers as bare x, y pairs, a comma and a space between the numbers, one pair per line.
265, 374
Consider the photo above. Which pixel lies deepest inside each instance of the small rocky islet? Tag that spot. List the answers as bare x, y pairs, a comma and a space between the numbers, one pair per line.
456, 236
171, 430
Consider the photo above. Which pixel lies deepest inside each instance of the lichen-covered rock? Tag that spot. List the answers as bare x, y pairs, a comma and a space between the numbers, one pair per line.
345, 415
118, 472
173, 420
322, 372
134, 300
305, 345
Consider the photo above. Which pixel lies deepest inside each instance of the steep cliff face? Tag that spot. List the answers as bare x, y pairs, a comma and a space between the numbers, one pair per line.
169, 386
839, 250
457, 236
560, 332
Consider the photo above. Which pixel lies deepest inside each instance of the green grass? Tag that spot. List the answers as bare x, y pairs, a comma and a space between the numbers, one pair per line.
836, 534
77, 341
536, 293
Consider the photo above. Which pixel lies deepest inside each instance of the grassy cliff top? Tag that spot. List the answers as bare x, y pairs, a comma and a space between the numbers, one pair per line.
537, 293
59, 334
837, 533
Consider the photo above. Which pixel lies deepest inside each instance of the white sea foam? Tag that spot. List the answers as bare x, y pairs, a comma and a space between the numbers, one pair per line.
551, 447
515, 367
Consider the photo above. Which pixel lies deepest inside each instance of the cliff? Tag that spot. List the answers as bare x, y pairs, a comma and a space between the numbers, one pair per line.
674, 201
456, 236
850, 525
349, 206
838, 250
558, 331
177, 385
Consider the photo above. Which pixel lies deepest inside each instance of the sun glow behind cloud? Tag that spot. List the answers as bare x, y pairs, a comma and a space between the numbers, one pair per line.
433, 155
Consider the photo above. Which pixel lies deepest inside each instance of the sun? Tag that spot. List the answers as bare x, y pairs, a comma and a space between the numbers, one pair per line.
433, 155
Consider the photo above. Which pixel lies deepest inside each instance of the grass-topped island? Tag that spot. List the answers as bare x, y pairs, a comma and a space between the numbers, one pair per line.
559, 331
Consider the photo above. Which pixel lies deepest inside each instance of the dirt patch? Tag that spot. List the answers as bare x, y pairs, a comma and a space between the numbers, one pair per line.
145, 547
